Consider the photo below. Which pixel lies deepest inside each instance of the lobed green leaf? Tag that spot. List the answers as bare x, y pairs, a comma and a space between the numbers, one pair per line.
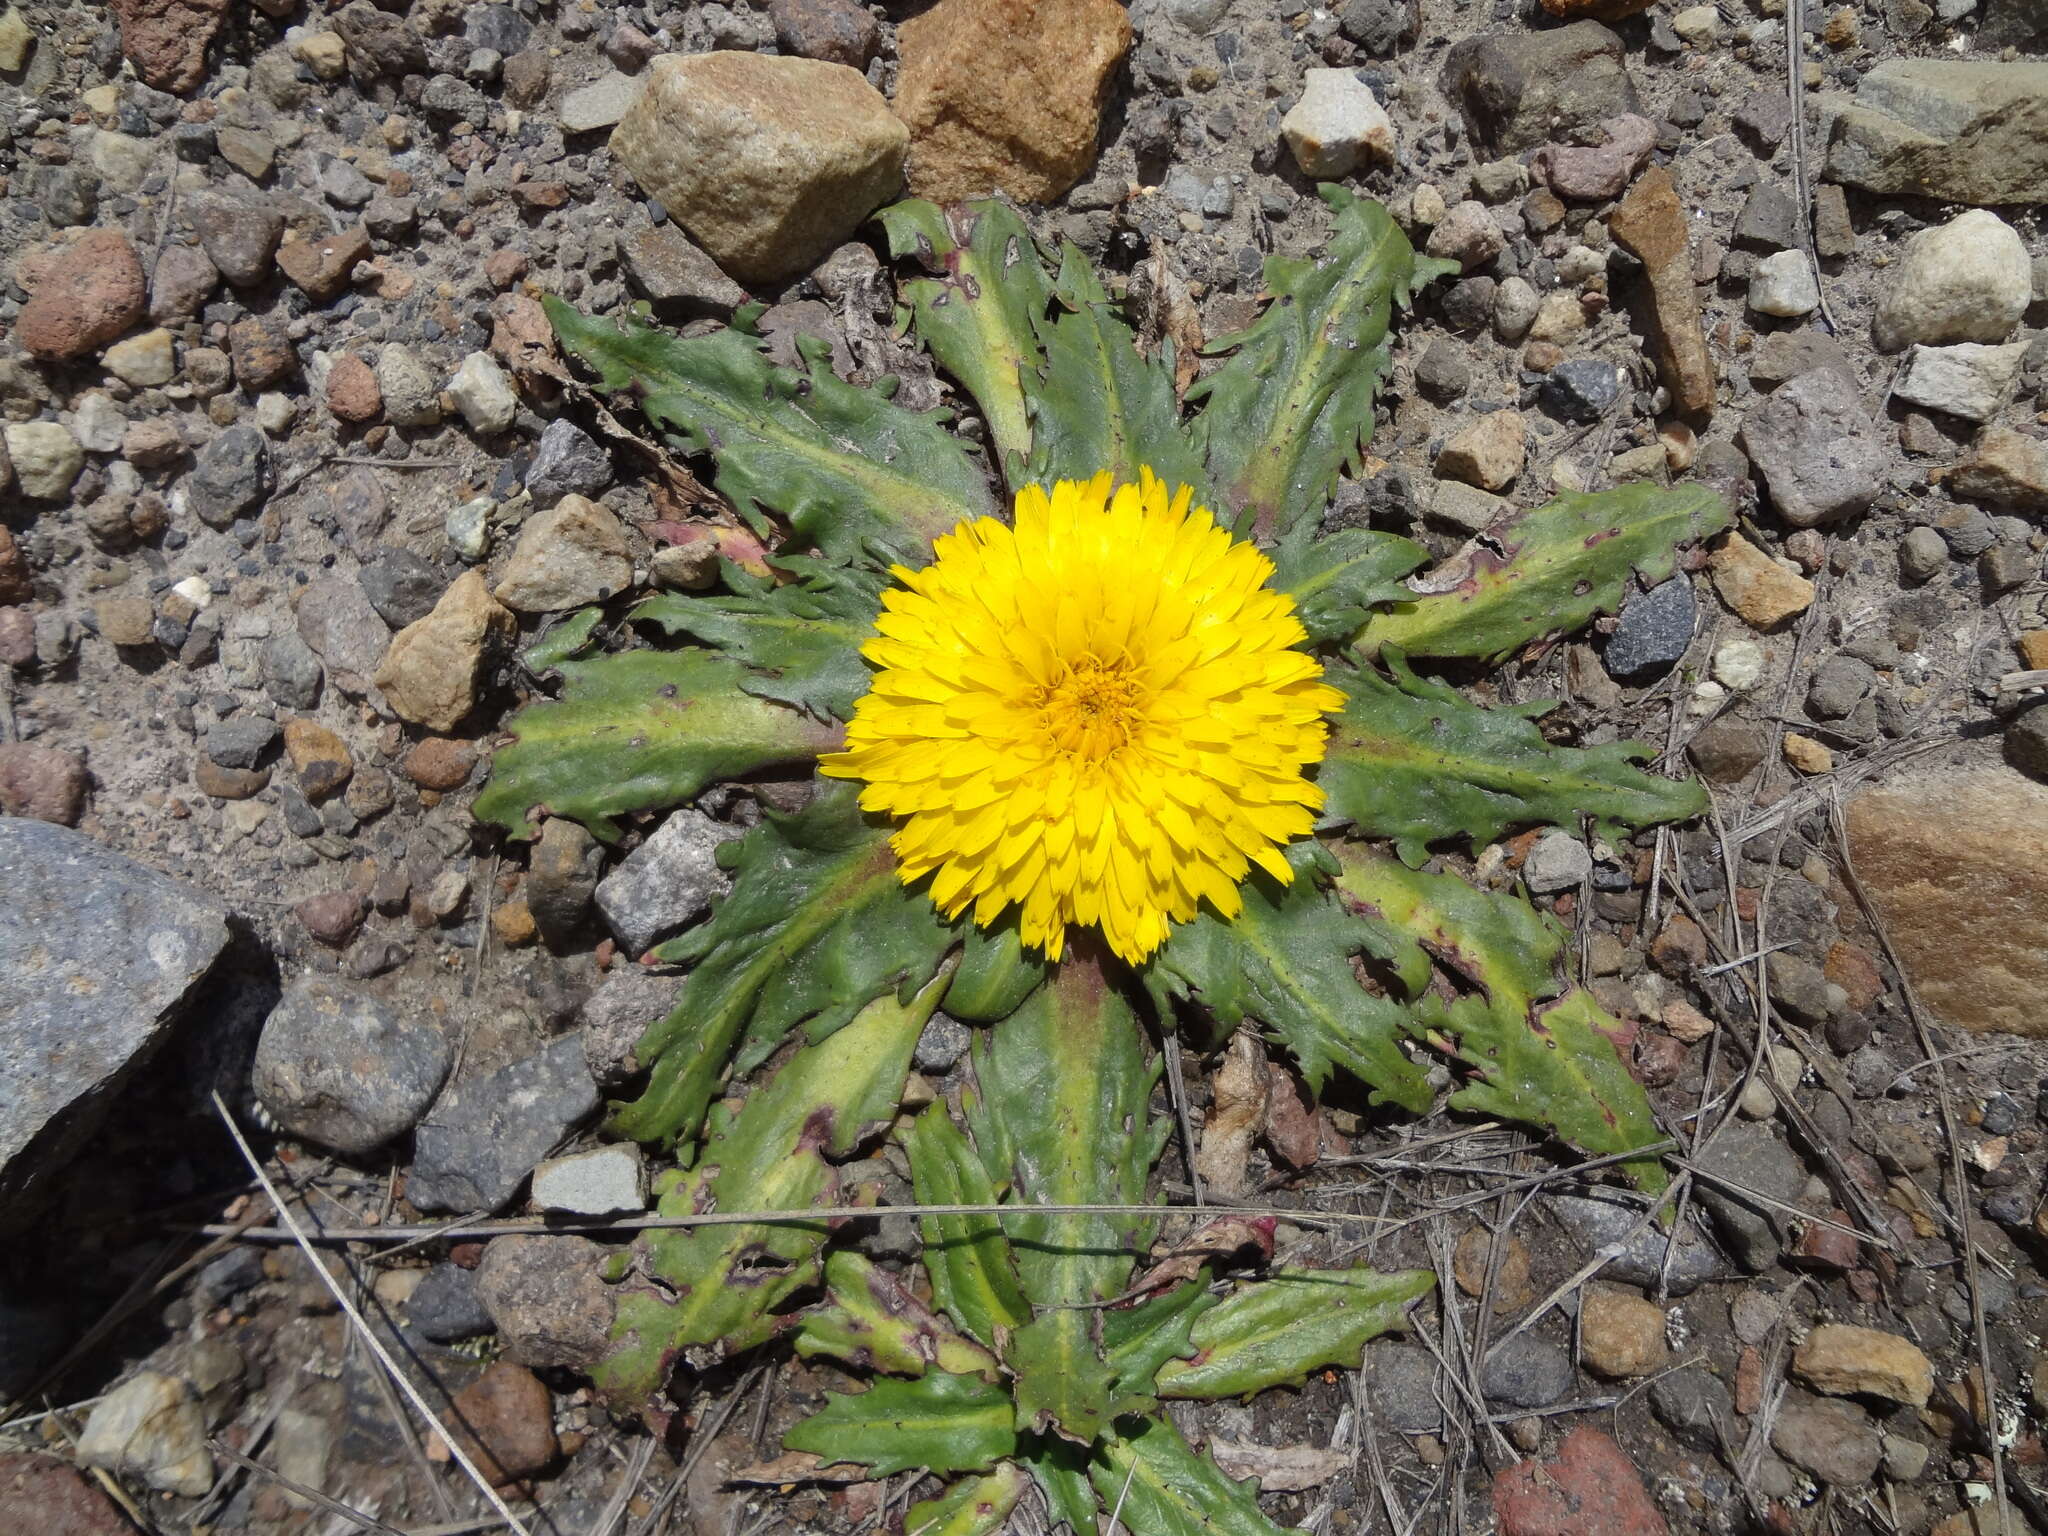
1546, 571
849, 473
974, 1506
1273, 1332
639, 731
1158, 1484
1336, 579
869, 1319
972, 1270
939, 1422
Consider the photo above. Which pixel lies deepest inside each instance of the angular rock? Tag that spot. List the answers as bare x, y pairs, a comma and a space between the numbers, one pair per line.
1655, 628
1487, 452
1966, 280
1817, 449
605, 1181
87, 296
485, 1135
97, 958
1336, 125
321, 266
166, 40
151, 1428
1967, 380
601, 104
380, 43
411, 397
667, 882
336, 621
1006, 95
768, 162
483, 392
569, 556
1785, 355
447, 1306
1592, 173
567, 462
837, 31
547, 1300
1729, 749
1941, 855
46, 458
430, 673
1964, 131
1518, 91
1590, 1489
1833, 1440
1745, 1161
2005, 468
678, 279
617, 1015
1782, 285
1843, 1360
239, 236
337, 1066
231, 477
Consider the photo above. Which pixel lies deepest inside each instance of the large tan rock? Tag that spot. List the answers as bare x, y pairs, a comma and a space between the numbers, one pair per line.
1755, 585
1845, 1360
768, 162
571, 555
1651, 223
1006, 95
429, 675
1957, 864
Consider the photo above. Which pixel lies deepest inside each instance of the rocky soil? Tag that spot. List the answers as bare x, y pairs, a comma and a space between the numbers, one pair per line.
291, 484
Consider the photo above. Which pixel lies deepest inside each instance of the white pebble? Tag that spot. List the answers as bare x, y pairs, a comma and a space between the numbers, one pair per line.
1739, 664
1782, 284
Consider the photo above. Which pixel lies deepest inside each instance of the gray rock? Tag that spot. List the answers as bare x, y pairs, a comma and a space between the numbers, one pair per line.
567, 462
1526, 1372
1962, 131
616, 1015
484, 1136
1601, 1221
548, 1300
239, 236
598, 105
1401, 1379
678, 279
1816, 448
1521, 90
1691, 1404
232, 476
1800, 988
944, 1041
1656, 626
380, 43
498, 27
1444, 372
1830, 1437
343, 184
561, 878
448, 99
291, 672
236, 1271
412, 394
1838, 685
1923, 555
360, 509
1784, 355
666, 883
1764, 118
447, 1305
1967, 380
337, 1066
1379, 27
401, 586
97, 956
1769, 220
1558, 861
335, 618
605, 1181
1580, 389
241, 741
1747, 1158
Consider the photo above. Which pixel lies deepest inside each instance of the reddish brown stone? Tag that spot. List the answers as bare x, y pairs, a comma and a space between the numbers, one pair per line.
87, 295
505, 266
43, 1495
837, 31
439, 763
1591, 1489
332, 917
321, 267
504, 1421
1854, 969
1651, 223
1827, 1247
17, 637
1657, 1058
261, 352
228, 783
1749, 1381
14, 579
41, 782
166, 40
1681, 948
352, 392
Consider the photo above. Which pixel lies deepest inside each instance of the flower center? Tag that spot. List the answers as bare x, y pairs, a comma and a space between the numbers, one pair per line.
1092, 707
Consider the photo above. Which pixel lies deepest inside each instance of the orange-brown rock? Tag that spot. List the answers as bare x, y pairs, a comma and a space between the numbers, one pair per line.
1651, 225
84, 296
1006, 95
1955, 864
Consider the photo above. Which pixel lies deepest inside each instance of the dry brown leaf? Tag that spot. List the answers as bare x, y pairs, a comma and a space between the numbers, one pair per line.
1294, 1126
1279, 1468
798, 1467
1218, 1239
1237, 1109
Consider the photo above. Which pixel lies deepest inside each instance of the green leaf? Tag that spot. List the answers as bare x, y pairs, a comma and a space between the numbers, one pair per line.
1285, 962
1273, 1332
1101, 405
979, 312
940, 1422
1063, 1385
718, 1288
869, 1319
1060, 1468
1553, 1064
1336, 578
639, 731
1138, 1341
1293, 404
1157, 1485
817, 924
1415, 761
995, 975
846, 470
1064, 1120
974, 1506
973, 1274
800, 641
1548, 570
564, 640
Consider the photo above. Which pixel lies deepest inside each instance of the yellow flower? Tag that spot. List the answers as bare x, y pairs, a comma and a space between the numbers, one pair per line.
1098, 716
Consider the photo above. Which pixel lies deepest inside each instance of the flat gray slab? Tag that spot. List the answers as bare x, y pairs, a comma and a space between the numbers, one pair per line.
97, 952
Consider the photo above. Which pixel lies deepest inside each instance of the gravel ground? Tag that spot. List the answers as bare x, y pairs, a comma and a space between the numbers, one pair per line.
275, 391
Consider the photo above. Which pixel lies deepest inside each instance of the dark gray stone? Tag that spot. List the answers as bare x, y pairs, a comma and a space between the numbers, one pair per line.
1526, 1372
616, 1015
567, 462
239, 235
231, 477
1691, 1403
1379, 26
1746, 1158
498, 27
678, 279
97, 955
666, 883
1444, 372
337, 1066
1829, 1437
401, 586
31, 1337
1524, 89
1764, 118
291, 672
944, 1041
2026, 741
1816, 448
1838, 685
1728, 749
240, 742
1601, 1221
1401, 1379
484, 1136
448, 99
446, 1306
1580, 389
380, 43
236, 1271
1769, 220
1656, 626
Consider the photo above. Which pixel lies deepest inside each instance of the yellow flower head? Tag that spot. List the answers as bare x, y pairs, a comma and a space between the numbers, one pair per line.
1098, 716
